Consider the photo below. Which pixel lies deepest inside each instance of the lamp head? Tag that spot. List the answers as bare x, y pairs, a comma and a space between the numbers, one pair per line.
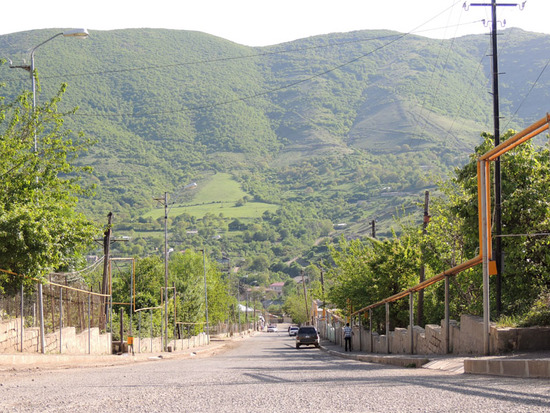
79, 33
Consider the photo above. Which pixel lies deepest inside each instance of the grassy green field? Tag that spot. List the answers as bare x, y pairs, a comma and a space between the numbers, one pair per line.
217, 196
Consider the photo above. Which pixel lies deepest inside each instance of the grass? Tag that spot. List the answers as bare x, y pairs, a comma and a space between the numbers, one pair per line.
508, 321
229, 210
220, 188
217, 196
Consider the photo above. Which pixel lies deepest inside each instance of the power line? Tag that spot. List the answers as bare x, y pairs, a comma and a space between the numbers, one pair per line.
220, 59
230, 58
245, 98
529, 92
435, 92
259, 94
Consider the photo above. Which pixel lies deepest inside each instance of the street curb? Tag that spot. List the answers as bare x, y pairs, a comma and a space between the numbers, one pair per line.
536, 368
400, 361
524, 368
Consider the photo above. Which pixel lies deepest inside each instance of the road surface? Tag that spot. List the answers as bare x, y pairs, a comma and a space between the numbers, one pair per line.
266, 373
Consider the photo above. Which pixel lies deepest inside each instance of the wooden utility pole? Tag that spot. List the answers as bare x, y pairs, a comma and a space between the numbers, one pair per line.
498, 254
422, 277
305, 296
106, 257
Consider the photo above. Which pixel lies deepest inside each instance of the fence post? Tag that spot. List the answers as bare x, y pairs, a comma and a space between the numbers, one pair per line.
139, 331
41, 313
411, 320
22, 317
110, 321
89, 324
370, 331
485, 236
447, 315
121, 330
360, 332
388, 328
60, 319
151, 330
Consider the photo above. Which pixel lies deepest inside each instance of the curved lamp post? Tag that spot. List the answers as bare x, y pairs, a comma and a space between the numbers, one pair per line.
78, 33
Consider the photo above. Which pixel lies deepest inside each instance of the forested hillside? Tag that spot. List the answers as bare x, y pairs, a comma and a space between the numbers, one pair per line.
337, 129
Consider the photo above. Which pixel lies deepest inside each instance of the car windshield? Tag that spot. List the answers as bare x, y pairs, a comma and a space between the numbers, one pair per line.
307, 330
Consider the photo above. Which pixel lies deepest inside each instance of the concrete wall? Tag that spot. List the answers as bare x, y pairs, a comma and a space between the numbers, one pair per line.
465, 338
71, 343
148, 345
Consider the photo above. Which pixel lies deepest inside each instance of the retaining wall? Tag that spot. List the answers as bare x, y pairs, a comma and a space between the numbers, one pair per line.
465, 338
71, 342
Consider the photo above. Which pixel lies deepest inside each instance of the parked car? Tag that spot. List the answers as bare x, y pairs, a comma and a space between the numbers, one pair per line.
307, 336
293, 330
271, 328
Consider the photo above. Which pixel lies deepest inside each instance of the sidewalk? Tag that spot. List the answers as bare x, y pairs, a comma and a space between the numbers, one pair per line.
525, 365
25, 361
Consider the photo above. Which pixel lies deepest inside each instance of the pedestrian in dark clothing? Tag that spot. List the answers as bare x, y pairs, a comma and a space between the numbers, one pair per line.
347, 336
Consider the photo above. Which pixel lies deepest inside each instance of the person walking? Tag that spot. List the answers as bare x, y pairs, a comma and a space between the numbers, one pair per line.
347, 336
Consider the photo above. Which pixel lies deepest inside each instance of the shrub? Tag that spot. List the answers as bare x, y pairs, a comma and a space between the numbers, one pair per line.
539, 313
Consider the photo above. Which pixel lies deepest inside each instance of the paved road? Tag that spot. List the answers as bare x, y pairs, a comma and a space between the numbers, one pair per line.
265, 373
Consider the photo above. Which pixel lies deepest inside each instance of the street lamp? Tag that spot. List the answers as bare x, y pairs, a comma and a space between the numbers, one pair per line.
82, 34
166, 210
78, 33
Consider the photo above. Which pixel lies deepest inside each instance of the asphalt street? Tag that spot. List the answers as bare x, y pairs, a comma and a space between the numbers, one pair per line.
266, 373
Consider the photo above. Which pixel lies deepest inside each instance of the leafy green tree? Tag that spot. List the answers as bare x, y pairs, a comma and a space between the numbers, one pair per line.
525, 213
187, 271
40, 231
367, 271
295, 306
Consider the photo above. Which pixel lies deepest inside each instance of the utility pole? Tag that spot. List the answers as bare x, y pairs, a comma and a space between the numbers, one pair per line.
323, 291
373, 227
107, 255
498, 255
422, 276
164, 202
305, 296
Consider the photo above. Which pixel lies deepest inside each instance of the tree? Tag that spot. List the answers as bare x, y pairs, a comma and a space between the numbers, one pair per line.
40, 231
295, 306
367, 271
187, 271
525, 213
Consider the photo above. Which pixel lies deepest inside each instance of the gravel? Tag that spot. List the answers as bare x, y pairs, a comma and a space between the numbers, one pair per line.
266, 373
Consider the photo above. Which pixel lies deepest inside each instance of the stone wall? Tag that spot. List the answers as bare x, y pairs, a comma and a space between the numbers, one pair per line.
465, 338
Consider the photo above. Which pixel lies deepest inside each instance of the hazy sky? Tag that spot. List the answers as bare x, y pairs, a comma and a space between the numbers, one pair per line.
264, 22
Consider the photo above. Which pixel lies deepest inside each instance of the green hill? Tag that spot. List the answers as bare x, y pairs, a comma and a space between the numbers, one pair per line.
284, 141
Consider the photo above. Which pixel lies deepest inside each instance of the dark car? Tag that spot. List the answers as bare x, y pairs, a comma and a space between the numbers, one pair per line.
307, 336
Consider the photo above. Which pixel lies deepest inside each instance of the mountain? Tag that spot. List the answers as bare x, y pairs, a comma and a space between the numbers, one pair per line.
335, 129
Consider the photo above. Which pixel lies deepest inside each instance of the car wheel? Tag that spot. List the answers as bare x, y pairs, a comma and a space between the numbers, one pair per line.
297, 346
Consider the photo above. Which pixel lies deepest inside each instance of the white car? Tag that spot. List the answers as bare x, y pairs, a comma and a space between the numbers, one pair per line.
271, 328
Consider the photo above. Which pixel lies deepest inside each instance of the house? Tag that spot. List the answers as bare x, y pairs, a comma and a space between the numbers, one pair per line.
277, 287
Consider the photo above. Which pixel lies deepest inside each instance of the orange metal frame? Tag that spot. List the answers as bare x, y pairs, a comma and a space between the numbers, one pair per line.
484, 161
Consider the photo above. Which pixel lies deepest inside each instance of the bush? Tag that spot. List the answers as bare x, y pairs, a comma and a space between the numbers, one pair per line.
539, 313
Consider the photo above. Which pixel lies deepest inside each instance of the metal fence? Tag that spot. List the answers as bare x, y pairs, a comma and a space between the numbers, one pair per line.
36, 319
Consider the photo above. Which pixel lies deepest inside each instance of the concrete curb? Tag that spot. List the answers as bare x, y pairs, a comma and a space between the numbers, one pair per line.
537, 366
393, 360
524, 368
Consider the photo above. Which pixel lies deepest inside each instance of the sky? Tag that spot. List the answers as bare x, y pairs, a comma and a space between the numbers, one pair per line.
267, 22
